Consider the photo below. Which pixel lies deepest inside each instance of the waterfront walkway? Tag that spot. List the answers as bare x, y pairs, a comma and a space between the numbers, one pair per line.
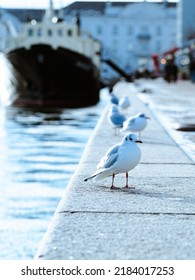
156, 220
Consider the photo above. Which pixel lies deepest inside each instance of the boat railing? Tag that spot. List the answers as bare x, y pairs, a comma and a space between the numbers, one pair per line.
57, 35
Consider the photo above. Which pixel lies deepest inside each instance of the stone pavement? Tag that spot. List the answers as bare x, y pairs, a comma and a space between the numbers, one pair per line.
156, 220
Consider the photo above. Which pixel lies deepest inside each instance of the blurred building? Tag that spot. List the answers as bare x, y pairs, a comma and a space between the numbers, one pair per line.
186, 21
130, 32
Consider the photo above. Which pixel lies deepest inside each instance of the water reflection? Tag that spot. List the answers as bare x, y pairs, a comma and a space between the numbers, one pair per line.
6, 81
39, 153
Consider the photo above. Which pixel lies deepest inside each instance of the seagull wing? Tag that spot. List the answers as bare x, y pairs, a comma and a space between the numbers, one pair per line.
117, 119
105, 165
109, 159
128, 123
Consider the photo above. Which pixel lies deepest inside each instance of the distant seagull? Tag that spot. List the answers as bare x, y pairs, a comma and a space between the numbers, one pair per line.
115, 117
114, 99
136, 123
124, 102
120, 158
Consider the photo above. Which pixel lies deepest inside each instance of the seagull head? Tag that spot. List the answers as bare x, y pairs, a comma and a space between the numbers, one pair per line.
142, 115
131, 138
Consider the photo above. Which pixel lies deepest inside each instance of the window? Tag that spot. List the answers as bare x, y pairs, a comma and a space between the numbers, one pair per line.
144, 46
115, 45
30, 32
60, 32
158, 46
99, 30
115, 30
69, 32
129, 46
144, 29
39, 32
49, 32
129, 30
158, 30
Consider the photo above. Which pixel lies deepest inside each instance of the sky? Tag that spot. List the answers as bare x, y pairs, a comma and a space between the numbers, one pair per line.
44, 3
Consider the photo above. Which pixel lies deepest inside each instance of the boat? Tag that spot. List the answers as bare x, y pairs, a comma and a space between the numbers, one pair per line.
53, 64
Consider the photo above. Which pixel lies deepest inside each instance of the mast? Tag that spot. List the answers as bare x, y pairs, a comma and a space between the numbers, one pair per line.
49, 13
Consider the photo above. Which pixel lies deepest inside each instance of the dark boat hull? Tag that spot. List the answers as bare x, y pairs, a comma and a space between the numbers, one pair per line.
55, 78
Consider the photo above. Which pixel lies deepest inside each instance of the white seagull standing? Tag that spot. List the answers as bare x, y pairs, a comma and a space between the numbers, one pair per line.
115, 117
124, 102
114, 99
136, 123
120, 158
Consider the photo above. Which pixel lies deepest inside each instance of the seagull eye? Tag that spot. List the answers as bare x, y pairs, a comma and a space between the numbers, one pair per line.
126, 138
130, 139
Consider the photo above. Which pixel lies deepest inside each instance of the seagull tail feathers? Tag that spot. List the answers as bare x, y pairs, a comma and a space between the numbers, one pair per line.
96, 176
91, 177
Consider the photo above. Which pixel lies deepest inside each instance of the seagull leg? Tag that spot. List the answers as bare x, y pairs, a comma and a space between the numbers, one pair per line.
139, 135
113, 187
127, 182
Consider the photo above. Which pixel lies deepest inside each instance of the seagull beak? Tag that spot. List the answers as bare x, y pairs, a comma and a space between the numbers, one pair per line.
138, 141
147, 118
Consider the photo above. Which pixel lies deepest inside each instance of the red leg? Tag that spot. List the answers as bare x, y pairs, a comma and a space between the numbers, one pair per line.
113, 187
127, 179
127, 182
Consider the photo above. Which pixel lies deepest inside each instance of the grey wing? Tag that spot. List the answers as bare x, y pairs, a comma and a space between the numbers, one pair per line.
117, 119
110, 158
131, 121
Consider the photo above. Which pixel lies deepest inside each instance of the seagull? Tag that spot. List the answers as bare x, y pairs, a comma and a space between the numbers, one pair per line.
120, 158
113, 98
136, 123
124, 102
115, 117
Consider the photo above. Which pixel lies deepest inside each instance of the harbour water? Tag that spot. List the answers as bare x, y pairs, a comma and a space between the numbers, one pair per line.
39, 152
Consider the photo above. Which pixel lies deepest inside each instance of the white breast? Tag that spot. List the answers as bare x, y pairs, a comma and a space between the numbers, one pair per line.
129, 157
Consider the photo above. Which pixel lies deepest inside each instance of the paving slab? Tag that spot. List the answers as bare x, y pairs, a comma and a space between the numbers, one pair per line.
151, 195
123, 236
